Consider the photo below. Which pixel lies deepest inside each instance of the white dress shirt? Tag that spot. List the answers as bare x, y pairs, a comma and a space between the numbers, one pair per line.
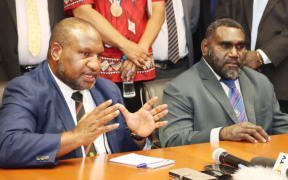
214, 133
101, 144
258, 10
25, 56
160, 45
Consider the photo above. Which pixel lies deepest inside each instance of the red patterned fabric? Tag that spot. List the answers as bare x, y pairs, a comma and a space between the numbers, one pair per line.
134, 11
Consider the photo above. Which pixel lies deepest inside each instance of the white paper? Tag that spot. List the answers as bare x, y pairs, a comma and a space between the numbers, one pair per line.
136, 159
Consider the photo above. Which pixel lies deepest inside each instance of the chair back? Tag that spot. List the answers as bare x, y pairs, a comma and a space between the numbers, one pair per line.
2, 88
149, 90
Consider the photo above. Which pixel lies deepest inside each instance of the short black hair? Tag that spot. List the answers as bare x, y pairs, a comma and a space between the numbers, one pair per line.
60, 32
227, 22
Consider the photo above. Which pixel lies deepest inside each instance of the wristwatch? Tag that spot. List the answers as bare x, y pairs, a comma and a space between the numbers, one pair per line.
137, 138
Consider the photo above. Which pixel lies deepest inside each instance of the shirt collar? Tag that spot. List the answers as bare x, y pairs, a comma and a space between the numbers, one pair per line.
217, 76
65, 89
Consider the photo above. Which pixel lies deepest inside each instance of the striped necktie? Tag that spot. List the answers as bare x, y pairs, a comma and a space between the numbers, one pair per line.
173, 49
236, 100
34, 36
78, 98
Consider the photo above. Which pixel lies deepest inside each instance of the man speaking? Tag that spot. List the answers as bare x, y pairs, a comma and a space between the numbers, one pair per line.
62, 109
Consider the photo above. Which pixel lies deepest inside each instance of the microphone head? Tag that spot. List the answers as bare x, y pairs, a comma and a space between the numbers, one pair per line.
256, 173
216, 155
263, 161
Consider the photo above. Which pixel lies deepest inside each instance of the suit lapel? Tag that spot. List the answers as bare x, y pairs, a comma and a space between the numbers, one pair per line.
12, 8
267, 10
213, 85
111, 135
248, 4
60, 103
248, 96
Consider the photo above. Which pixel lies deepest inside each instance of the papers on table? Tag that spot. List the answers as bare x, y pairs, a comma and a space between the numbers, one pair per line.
141, 161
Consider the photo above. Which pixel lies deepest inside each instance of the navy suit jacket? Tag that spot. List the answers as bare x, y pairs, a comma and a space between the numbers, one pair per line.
34, 114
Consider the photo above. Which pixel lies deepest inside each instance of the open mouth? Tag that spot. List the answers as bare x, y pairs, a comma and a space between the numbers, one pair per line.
91, 77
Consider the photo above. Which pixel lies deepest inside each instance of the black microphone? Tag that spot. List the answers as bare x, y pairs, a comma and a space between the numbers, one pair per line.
222, 156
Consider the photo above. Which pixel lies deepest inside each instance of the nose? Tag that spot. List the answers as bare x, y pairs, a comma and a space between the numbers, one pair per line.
234, 52
94, 63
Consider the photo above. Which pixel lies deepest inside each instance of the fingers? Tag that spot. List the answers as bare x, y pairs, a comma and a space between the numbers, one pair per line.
158, 109
107, 128
150, 103
124, 70
124, 111
107, 115
160, 115
133, 72
160, 124
245, 131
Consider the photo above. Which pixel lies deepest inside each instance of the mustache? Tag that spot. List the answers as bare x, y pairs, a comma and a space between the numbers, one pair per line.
234, 61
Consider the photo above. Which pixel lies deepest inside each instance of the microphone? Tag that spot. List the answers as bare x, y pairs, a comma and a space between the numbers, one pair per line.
222, 156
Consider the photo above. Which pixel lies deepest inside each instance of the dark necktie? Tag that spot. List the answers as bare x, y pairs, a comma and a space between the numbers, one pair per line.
173, 51
236, 100
78, 98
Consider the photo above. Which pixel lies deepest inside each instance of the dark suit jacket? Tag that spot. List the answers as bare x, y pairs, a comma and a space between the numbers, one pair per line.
203, 23
191, 9
9, 61
197, 103
272, 36
34, 114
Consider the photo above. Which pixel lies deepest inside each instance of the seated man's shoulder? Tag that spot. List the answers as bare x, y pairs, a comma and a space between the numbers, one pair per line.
257, 78
187, 80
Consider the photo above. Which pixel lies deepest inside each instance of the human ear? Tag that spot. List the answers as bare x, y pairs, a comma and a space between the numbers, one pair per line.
204, 47
56, 51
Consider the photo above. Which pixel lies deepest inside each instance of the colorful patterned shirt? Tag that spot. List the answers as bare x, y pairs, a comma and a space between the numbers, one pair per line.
131, 24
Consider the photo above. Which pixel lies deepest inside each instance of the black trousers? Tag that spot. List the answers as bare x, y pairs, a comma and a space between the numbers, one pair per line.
283, 106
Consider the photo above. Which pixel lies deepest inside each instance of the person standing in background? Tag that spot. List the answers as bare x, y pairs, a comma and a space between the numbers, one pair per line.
173, 49
128, 31
25, 28
207, 12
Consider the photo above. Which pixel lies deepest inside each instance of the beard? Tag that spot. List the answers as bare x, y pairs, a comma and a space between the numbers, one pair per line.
222, 69
73, 83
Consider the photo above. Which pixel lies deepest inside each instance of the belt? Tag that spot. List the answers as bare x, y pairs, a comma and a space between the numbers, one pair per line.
27, 68
164, 65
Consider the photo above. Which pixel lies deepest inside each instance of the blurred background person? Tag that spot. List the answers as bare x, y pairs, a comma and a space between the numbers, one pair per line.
25, 28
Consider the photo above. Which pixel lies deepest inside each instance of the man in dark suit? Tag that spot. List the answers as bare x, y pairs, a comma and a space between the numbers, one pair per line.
265, 24
36, 125
218, 98
9, 55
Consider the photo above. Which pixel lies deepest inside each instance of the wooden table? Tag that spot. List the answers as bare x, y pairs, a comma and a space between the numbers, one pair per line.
191, 156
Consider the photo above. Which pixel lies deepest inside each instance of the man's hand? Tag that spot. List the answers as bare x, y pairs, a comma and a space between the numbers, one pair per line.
144, 121
135, 53
244, 132
91, 125
253, 59
128, 66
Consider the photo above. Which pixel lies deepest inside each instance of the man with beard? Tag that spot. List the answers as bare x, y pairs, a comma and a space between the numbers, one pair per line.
43, 115
218, 98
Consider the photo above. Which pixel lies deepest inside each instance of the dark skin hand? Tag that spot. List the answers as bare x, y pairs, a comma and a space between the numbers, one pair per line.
245, 131
252, 60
